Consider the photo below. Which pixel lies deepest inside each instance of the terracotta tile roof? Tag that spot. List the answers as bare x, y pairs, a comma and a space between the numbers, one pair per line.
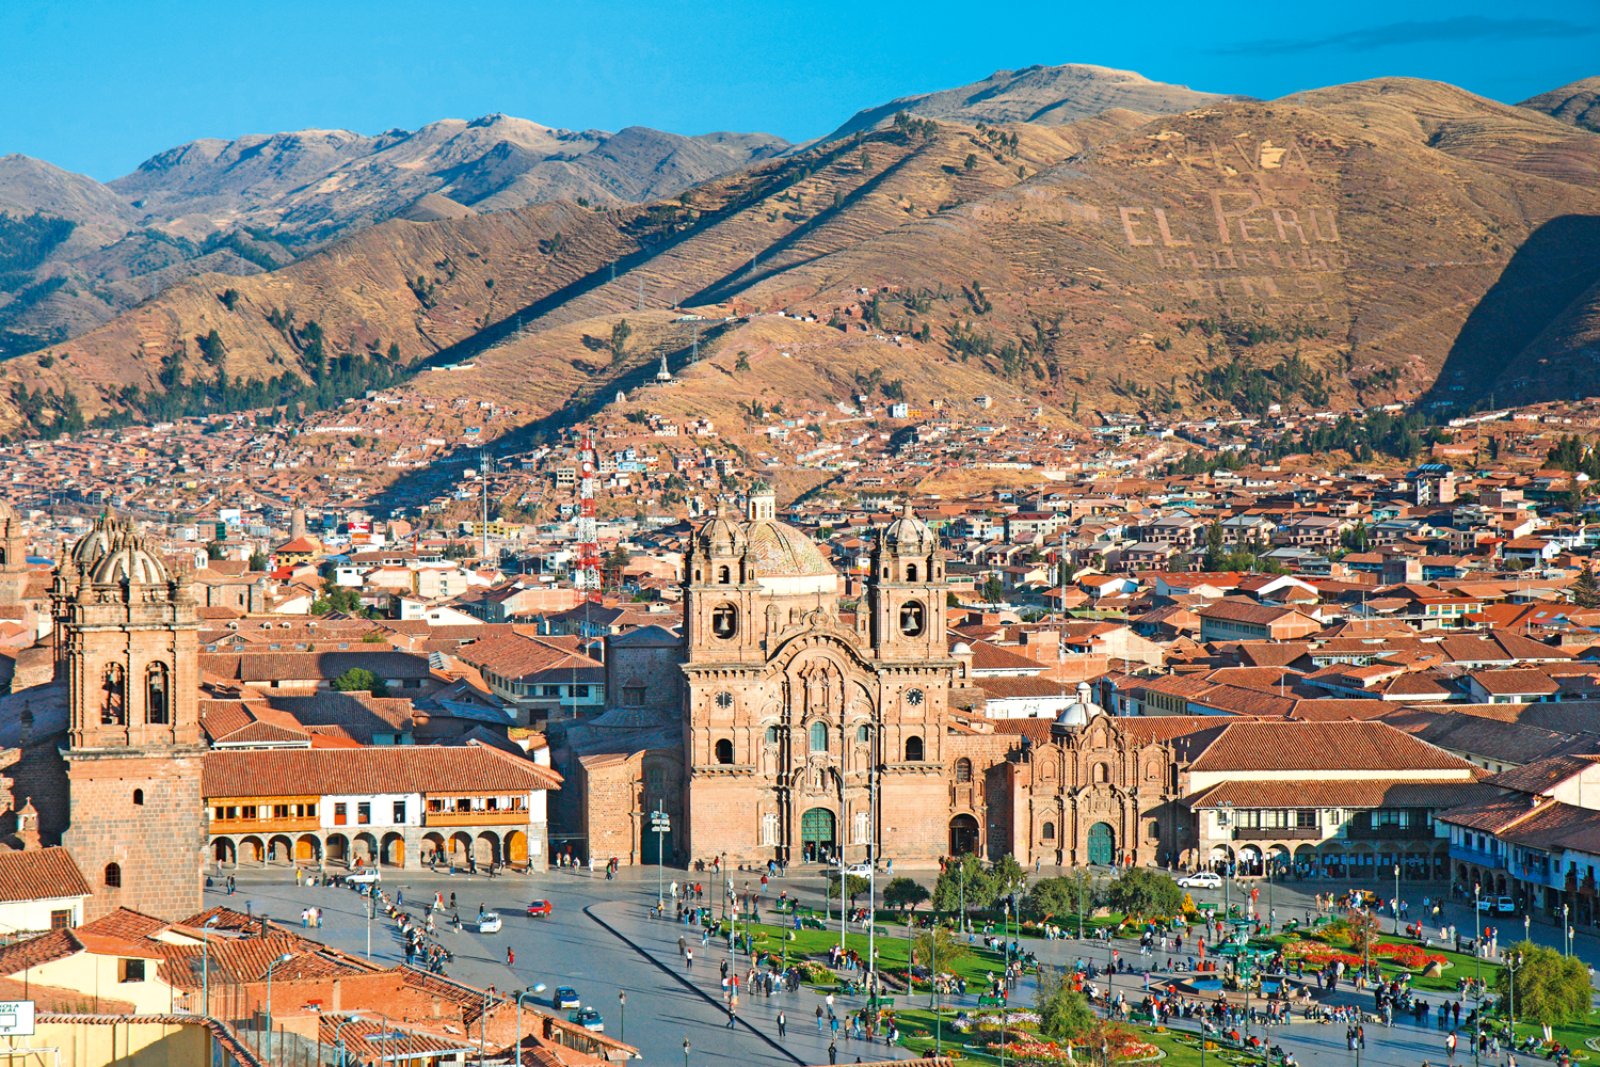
1323, 793
127, 924
1545, 774
40, 873
37, 951
1322, 746
1490, 816
386, 769
1515, 682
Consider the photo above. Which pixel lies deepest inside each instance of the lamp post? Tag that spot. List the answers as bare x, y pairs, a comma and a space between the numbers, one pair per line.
685, 1052
338, 1037
1513, 961
1477, 970
285, 958
1527, 928
205, 967
370, 890
1080, 903
933, 968
1005, 930
1397, 900
1566, 933
622, 1012
526, 993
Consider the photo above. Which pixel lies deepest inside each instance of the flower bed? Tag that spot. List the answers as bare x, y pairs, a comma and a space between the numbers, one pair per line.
1410, 957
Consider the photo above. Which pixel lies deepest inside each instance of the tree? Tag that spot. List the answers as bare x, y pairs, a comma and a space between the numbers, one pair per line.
993, 590
964, 881
854, 885
620, 332
1216, 552
1051, 898
1586, 589
1141, 891
1551, 988
258, 560
971, 162
939, 943
359, 680
904, 894
215, 550
212, 350
1064, 1013
337, 598
1007, 877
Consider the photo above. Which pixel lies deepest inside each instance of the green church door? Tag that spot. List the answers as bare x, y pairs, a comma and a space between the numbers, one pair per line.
816, 834
1102, 844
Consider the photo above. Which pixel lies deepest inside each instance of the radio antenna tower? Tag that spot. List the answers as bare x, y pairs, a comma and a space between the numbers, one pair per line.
588, 572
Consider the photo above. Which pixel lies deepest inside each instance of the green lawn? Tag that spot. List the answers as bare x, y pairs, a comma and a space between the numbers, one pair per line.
976, 966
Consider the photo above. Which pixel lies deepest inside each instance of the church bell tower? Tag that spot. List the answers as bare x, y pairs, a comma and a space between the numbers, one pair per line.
129, 637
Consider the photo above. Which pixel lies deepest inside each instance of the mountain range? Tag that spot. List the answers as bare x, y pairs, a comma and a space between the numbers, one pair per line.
1079, 237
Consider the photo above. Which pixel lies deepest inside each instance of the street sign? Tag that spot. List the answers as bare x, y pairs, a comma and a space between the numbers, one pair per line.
16, 1018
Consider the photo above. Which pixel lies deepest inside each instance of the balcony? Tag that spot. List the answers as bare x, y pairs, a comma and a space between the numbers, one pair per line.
1277, 833
290, 825
496, 817
1389, 833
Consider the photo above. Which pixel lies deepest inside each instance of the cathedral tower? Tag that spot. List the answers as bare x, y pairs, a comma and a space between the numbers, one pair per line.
129, 639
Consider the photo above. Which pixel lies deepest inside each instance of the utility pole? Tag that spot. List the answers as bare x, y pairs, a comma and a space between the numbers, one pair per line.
485, 466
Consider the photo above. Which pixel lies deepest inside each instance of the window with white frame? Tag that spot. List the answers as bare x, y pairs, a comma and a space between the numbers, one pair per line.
769, 828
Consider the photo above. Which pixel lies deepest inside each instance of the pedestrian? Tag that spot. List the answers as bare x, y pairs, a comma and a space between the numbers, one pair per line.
733, 1016
783, 1026
833, 1052
819, 1018
511, 957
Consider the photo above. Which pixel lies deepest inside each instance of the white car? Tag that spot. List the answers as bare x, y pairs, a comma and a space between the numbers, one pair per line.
859, 870
1201, 880
365, 876
489, 922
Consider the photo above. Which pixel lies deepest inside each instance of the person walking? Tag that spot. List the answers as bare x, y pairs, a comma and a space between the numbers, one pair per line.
511, 957
783, 1026
833, 1052
733, 1015
819, 1018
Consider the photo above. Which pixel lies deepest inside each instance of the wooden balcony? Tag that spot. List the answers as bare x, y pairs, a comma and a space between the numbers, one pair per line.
266, 826
499, 817
1277, 833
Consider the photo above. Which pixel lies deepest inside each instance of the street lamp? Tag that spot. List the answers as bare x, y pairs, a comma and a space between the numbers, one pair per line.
685, 1052
622, 1012
1477, 971
205, 966
1513, 961
338, 1038
1566, 933
520, 997
1397, 900
285, 958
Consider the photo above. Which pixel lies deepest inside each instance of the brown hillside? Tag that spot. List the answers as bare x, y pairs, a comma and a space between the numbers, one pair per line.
1577, 104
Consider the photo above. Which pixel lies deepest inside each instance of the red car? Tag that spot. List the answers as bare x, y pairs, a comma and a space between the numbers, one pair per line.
540, 908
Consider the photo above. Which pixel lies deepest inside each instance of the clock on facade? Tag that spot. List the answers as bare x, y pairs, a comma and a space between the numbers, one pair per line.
724, 699
914, 697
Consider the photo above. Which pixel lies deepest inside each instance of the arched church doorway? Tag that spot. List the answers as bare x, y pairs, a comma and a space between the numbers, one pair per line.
817, 835
963, 835
1102, 844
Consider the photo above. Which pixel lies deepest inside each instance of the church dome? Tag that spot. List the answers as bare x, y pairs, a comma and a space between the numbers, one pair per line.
93, 546
129, 561
781, 551
908, 534
1078, 713
721, 536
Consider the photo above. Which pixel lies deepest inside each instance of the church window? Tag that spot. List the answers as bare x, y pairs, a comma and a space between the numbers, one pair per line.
723, 575
138, 797
655, 781
155, 696
911, 572
819, 737
769, 829
114, 875
913, 618
724, 752
1154, 831
774, 735
1101, 773
963, 770
913, 749
863, 734
113, 711
1047, 832
724, 621
633, 696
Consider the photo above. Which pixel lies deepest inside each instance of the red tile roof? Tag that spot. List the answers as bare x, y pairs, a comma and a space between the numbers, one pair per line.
39, 874
471, 768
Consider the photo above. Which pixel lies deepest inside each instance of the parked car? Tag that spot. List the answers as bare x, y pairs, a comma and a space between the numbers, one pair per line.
859, 870
365, 876
1201, 880
1505, 906
567, 997
1486, 903
589, 1019
540, 908
489, 922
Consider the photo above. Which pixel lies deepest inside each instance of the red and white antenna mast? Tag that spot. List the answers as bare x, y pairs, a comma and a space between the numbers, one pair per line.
587, 578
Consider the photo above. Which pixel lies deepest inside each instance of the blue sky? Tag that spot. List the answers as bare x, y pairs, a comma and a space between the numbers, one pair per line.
98, 85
